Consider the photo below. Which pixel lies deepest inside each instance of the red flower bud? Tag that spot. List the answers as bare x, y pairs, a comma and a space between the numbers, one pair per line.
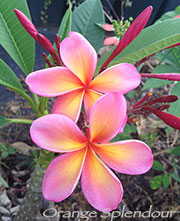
169, 119
46, 59
164, 99
26, 23
145, 98
165, 76
57, 41
163, 107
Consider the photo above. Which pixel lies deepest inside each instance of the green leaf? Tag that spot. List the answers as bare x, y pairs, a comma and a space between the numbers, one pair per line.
3, 121
8, 78
156, 182
176, 151
3, 181
175, 106
174, 163
66, 23
155, 83
169, 15
128, 130
84, 19
14, 39
151, 40
4, 154
175, 176
166, 180
157, 166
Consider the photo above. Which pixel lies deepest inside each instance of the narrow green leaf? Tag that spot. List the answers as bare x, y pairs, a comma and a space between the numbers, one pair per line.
3, 121
166, 180
84, 19
175, 176
8, 78
157, 166
3, 181
156, 182
14, 39
174, 163
151, 40
66, 23
176, 151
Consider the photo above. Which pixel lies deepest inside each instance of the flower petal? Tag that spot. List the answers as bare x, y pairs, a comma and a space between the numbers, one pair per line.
62, 175
52, 82
119, 78
99, 184
107, 117
57, 133
123, 124
110, 40
79, 56
129, 157
69, 104
108, 27
90, 97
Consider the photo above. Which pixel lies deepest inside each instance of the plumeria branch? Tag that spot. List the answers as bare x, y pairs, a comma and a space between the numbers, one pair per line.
20, 121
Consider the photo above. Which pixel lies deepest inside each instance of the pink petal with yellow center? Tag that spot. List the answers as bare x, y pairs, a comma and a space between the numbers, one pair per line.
57, 133
79, 56
108, 27
129, 157
107, 117
110, 40
52, 82
69, 104
99, 184
62, 175
90, 97
119, 78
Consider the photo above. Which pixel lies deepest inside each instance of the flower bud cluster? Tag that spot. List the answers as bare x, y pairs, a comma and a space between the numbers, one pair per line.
121, 27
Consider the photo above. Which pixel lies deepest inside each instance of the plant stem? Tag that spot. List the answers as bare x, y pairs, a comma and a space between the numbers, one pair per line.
32, 104
20, 121
36, 99
163, 151
43, 104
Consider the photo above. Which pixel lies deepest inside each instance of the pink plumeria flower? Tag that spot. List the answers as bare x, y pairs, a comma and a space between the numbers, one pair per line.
89, 156
113, 40
73, 83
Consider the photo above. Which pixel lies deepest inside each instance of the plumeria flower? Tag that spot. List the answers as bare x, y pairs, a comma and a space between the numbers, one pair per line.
113, 40
90, 155
74, 83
